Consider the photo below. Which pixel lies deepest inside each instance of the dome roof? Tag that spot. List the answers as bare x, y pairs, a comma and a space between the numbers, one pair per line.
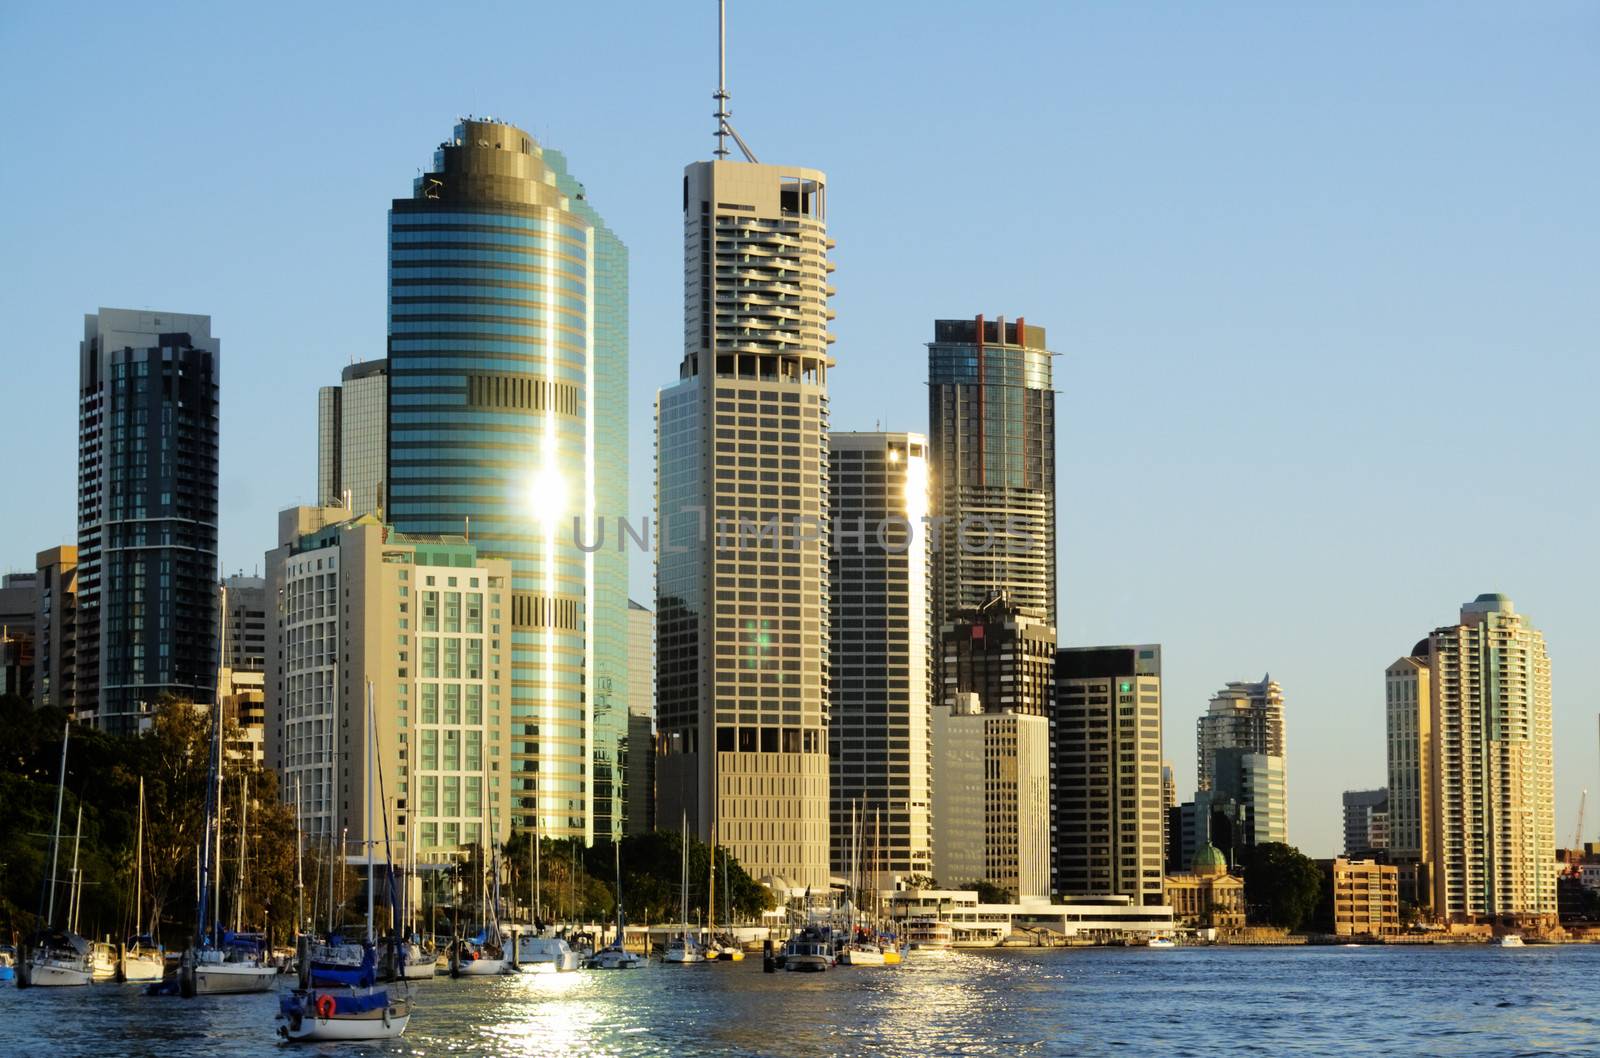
1208, 860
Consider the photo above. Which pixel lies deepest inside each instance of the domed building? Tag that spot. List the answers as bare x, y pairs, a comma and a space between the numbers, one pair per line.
1207, 896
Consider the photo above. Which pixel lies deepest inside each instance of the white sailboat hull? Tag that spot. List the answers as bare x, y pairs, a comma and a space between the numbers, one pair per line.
482, 967
858, 957
141, 968
418, 971
681, 958
388, 1026
614, 959
58, 973
233, 979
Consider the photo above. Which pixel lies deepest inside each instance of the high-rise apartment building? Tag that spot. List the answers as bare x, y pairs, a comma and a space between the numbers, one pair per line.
1247, 716
1107, 811
353, 438
991, 800
1003, 654
55, 661
507, 385
421, 620
19, 605
881, 668
147, 513
639, 762
1408, 709
1253, 789
1366, 823
245, 631
992, 427
742, 441
1491, 775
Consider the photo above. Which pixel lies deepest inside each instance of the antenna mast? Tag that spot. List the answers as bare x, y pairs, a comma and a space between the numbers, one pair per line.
721, 95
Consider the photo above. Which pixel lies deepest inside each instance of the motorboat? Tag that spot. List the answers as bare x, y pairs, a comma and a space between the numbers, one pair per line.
8, 963
614, 957
1161, 942
532, 953
808, 951
1510, 940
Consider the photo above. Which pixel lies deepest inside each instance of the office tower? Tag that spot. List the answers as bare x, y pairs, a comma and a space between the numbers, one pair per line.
1408, 707
742, 441
992, 426
245, 624
881, 658
991, 800
353, 438
361, 604
1366, 823
1247, 716
1257, 784
1107, 813
147, 513
507, 397
639, 764
1169, 802
1001, 653
1491, 775
55, 675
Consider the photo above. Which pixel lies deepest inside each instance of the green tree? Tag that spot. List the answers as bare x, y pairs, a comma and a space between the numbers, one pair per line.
1281, 886
988, 892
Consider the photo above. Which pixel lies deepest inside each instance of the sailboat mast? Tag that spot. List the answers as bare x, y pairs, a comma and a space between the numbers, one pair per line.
138, 869
299, 870
55, 842
244, 837
77, 839
372, 761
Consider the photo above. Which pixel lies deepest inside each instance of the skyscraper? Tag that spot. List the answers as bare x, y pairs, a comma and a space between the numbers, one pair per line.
55, 655
1408, 707
1107, 812
742, 437
881, 667
507, 377
992, 425
147, 513
1491, 774
639, 765
1366, 823
1246, 716
352, 438
1004, 655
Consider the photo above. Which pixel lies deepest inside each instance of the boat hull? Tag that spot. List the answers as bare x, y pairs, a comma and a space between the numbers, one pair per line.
384, 1025
482, 968
233, 980
53, 974
417, 971
853, 957
140, 969
805, 963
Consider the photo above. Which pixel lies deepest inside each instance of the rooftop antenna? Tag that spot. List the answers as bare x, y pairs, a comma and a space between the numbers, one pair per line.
724, 126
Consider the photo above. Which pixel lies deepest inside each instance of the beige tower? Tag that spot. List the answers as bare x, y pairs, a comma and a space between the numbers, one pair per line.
1413, 817
1491, 776
742, 516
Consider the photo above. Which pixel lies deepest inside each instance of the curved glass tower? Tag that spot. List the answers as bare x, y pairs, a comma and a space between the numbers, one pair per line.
507, 340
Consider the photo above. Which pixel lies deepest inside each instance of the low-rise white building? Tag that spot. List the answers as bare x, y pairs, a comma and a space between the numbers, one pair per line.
978, 925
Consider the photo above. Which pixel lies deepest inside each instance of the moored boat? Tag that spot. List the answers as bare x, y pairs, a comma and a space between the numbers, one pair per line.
808, 951
928, 935
1510, 940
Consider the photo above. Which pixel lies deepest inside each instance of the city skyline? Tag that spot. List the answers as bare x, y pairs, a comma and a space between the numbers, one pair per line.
1196, 433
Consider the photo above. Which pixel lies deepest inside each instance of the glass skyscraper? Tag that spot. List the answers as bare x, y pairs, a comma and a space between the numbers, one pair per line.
508, 347
147, 514
992, 425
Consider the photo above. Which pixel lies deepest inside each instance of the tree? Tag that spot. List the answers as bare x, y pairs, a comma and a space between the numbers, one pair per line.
988, 892
1281, 886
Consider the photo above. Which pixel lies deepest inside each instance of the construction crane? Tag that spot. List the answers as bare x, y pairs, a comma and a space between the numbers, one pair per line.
1575, 850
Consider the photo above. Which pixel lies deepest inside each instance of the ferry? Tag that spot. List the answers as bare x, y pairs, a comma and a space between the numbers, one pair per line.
927, 935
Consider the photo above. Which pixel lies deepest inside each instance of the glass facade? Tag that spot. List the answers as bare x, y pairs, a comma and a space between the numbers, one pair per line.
507, 348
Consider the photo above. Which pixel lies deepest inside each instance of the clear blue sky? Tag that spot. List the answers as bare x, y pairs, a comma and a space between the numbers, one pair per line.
1323, 282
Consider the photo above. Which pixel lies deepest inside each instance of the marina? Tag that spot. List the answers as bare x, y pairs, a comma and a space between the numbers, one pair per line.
1369, 1000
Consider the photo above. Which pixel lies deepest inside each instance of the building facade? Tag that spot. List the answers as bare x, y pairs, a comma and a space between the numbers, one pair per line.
1207, 896
1001, 653
1408, 711
147, 513
244, 606
881, 667
507, 380
1366, 823
991, 799
1492, 781
742, 441
992, 426
1107, 810
353, 438
1247, 716
639, 761
1365, 897
19, 606
55, 647
421, 622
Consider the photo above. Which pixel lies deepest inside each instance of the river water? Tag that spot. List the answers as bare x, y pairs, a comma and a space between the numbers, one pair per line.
1121, 1001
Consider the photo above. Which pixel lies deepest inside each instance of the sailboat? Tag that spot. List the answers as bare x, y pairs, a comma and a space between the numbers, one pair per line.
417, 959
484, 955
616, 956
222, 962
140, 958
356, 1008
60, 957
719, 947
682, 949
